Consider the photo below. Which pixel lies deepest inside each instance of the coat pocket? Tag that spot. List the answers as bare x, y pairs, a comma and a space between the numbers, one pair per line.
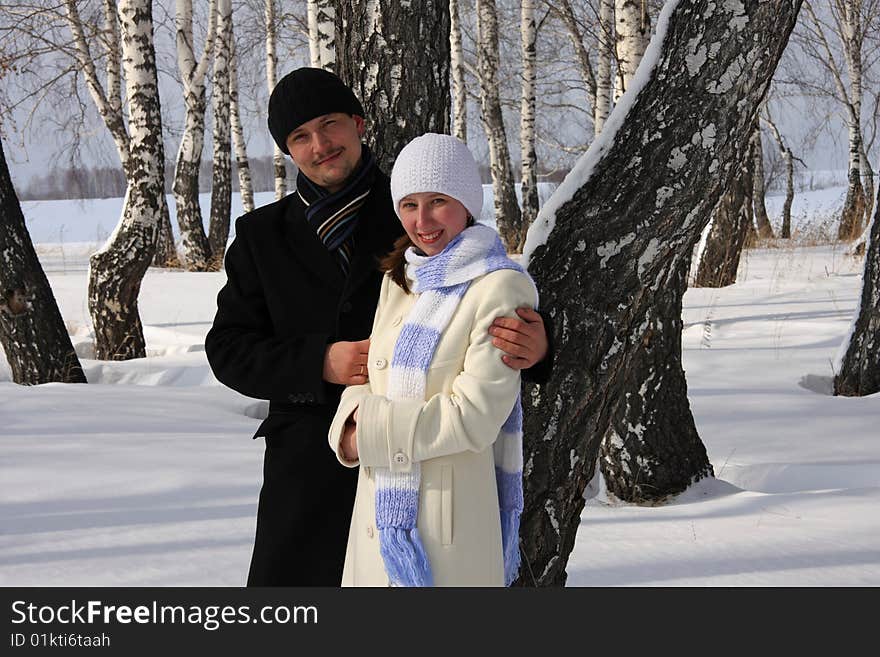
446, 504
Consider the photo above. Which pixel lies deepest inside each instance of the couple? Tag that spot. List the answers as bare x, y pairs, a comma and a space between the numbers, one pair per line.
430, 412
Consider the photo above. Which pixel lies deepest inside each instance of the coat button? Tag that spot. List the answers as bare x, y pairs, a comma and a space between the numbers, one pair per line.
401, 459
370, 531
380, 363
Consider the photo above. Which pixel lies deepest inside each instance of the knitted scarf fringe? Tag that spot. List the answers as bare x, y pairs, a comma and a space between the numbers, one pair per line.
406, 561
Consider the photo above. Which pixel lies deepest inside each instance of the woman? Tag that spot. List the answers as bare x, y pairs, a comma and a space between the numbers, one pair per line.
437, 429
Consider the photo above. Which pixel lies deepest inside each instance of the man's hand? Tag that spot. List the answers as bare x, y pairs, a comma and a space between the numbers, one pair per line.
346, 362
348, 444
523, 341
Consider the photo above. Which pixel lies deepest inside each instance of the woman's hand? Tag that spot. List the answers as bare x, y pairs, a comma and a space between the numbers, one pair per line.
524, 342
348, 443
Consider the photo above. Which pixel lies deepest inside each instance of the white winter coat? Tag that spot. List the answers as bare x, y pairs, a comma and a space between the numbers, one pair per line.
469, 394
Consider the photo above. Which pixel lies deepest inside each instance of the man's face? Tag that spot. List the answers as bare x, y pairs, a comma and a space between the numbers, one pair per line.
327, 149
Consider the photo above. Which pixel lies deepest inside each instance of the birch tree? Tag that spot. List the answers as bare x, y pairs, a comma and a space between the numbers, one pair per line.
243, 166
271, 80
529, 164
585, 67
816, 43
633, 26
32, 331
404, 89
788, 157
605, 49
322, 29
221, 175
721, 249
196, 250
762, 221
108, 101
610, 251
459, 85
116, 271
508, 217
858, 372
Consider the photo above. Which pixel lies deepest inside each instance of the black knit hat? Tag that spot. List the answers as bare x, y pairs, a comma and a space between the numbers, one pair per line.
303, 95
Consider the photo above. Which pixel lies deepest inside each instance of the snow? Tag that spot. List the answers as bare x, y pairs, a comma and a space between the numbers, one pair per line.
148, 476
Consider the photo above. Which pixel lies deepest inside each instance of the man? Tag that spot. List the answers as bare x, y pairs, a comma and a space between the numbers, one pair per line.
295, 315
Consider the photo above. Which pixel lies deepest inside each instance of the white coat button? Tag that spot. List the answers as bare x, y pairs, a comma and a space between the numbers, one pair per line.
400, 458
370, 531
397, 320
380, 363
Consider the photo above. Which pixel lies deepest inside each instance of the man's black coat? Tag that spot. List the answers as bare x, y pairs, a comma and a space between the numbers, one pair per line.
284, 301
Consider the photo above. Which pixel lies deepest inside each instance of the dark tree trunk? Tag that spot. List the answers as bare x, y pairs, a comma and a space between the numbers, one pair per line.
196, 249
651, 449
611, 269
765, 230
166, 252
32, 331
398, 64
116, 272
719, 260
850, 226
859, 373
221, 172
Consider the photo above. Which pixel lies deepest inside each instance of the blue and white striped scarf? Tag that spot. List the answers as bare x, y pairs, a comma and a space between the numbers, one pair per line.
441, 281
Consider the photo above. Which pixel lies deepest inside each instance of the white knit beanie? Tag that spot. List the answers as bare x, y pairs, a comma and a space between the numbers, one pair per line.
438, 163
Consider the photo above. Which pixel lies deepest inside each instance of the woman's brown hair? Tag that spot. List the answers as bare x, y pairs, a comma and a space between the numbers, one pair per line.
394, 264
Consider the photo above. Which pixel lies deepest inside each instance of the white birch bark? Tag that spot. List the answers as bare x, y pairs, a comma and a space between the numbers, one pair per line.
245, 184
507, 213
459, 86
196, 250
785, 231
633, 27
529, 156
116, 271
326, 20
314, 47
272, 80
221, 175
605, 49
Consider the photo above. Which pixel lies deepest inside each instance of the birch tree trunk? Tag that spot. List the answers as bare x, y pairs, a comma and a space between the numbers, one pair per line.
221, 176
789, 178
314, 48
404, 89
196, 250
609, 252
272, 79
859, 368
529, 155
566, 12
508, 217
719, 260
326, 21
633, 34
459, 86
765, 230
605, 49
32, 331
116, 271
245, 185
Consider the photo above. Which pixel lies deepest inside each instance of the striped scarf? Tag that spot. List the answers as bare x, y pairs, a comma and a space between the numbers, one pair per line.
334, 215
441, 281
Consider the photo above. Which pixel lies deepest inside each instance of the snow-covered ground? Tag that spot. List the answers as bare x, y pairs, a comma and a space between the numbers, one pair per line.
147, 476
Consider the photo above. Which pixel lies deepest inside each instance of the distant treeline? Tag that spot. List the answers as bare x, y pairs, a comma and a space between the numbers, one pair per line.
109, 182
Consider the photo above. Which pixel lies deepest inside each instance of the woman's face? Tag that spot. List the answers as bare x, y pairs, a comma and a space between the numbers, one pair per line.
432, 220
